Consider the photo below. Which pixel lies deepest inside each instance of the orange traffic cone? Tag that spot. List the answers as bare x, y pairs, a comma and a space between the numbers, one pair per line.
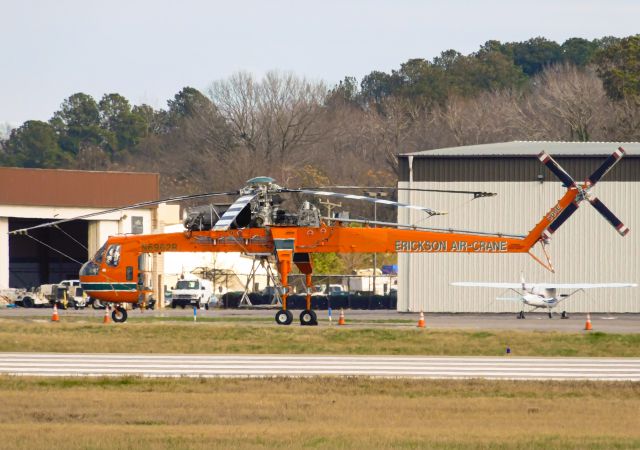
55, 317
341, 318
106, 316
587, 326
421, 323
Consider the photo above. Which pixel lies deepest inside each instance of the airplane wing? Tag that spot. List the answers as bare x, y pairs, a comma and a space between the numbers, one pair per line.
510, 299
543, 285
490, 285
580, 285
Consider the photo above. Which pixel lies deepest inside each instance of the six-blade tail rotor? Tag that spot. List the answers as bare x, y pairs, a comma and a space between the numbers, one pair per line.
584, 189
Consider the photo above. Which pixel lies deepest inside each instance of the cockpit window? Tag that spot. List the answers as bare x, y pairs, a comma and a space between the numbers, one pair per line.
89, 268
113, 255
99, 254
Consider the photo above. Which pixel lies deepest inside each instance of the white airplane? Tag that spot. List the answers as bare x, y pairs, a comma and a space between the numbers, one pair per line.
541, 295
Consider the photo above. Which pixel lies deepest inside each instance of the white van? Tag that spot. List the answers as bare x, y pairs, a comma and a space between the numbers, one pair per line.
192, 292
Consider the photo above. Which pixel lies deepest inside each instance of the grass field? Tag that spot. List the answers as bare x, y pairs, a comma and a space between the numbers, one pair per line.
212, 337
321, 412
315, 413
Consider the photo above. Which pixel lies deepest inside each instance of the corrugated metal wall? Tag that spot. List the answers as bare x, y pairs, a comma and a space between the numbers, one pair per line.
494, 168
585, 249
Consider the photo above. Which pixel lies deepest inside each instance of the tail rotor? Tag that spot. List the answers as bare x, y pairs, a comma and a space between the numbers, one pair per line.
584, 189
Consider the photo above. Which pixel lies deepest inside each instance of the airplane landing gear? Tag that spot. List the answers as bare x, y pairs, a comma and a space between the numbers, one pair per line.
119, 314
520, 315
308, 317
564, 315
284, 317
550, 315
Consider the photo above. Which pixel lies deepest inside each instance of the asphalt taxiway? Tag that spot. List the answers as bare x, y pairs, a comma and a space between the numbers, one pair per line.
605, 322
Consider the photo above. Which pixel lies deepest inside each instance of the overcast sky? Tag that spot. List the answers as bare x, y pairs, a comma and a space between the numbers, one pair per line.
147, 50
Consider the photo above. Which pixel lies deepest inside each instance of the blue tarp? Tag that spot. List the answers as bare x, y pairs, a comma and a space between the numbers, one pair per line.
391, 269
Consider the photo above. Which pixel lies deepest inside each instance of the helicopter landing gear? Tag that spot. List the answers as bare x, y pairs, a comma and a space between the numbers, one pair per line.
564, 315
284, 317
303, 261
119, 314
520, 315
550, 315
308, 317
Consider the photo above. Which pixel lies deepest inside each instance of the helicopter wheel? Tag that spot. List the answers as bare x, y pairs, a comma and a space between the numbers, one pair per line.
284, 317
119, 314
308, 317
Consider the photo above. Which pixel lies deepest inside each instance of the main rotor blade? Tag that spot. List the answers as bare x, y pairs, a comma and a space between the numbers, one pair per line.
562, 218
607, 214
476, 194
380, 201
606, 166
124, 208
554, 167
418, 227
230, 214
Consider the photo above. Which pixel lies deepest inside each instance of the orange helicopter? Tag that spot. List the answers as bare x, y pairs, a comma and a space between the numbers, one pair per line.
256, 225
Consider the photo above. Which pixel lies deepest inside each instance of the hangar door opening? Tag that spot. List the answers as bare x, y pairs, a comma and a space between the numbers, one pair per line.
33, 262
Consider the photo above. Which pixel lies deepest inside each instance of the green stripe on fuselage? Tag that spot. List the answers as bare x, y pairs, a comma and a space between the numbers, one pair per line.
97, 287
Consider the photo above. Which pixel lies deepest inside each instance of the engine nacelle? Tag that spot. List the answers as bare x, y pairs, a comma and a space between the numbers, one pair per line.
201, 218
308, 216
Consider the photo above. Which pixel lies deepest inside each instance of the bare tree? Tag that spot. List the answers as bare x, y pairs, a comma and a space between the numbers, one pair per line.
488, 117
568, 103
5, 130
625, 121
274, 119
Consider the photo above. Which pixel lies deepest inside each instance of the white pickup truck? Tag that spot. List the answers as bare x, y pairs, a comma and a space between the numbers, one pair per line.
192, 292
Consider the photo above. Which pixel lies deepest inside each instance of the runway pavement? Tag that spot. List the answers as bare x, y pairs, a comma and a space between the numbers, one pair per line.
57, 365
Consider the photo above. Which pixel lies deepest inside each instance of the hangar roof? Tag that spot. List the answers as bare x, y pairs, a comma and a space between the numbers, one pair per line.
532, 148
76, 188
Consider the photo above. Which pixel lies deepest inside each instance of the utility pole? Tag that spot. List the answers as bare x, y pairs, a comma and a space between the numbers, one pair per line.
330, 206
375, 194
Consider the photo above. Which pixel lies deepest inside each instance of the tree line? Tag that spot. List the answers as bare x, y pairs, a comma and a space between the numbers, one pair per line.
303, 132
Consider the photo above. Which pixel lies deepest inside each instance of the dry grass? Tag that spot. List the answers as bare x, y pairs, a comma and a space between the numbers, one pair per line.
180, 337
316, 413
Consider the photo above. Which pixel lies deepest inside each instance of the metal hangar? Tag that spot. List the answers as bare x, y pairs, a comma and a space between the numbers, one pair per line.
585, 249
30, 197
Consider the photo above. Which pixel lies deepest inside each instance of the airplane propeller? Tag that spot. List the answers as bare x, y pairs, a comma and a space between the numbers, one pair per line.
569, 182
